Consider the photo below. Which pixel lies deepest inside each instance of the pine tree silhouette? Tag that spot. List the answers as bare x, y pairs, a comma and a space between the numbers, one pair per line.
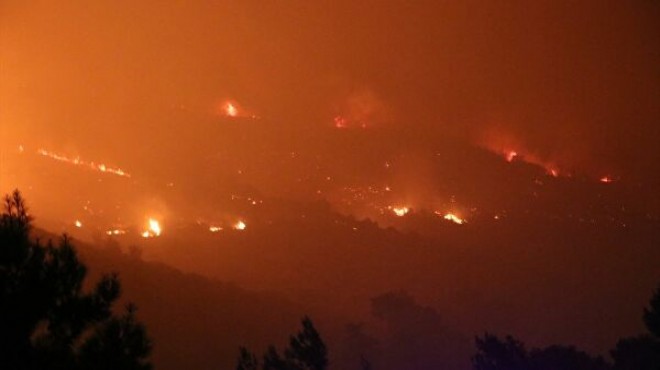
643, 351
306, 351
47, 320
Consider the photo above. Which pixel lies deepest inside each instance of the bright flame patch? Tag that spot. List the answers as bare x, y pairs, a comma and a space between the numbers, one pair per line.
153, 229
400, 211
453, 218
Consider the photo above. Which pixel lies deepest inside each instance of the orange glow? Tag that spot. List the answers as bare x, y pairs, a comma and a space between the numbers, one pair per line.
240, 225
78, 224
453, 218
606, 179
230, 110
115, 232
79, 162
400, 211
340, 122
511, 155
153, 229
215, 229
553, 172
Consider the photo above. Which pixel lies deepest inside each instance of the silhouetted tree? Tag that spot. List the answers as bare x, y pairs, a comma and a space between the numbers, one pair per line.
565, 358
643, 351
652, 314
273, 360
637, 353
510, 354
496, 354
47, 321
119, 343
247, 360
306, 351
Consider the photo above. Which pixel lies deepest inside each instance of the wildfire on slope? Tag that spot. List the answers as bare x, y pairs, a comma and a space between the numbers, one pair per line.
76, 161
400, 211
511, 155
153, 229
215, 229
232, 109
451, 217
115, 232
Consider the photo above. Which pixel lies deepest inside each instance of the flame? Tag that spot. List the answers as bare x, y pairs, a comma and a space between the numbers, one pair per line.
78, 224
400, 211
240, 225
154, 226
153, 229
340, 122
550, 168
231, 110
453, 218
115, 232
606, 180
79, 162
511, 155
215, 229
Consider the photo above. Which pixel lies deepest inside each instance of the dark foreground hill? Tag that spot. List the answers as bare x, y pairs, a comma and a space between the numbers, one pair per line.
195, 322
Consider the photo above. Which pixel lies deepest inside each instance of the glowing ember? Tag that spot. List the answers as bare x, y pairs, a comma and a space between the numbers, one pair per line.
79, 162
511, 155
78, 224
553, 172
606, 179
400, 211
230, 110
153, 230
240, 225
215, 229
340, 122
115, 232
453, 218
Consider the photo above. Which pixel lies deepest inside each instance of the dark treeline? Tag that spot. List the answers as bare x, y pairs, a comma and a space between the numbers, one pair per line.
48, 321
308, 352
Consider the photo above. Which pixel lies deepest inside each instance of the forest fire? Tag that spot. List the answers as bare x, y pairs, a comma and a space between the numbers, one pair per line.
153, 229
340, 122
115, 232
239, 225
406, 173
79, 162
453, 218
215, 229
230, 110
400, 211
511, 155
